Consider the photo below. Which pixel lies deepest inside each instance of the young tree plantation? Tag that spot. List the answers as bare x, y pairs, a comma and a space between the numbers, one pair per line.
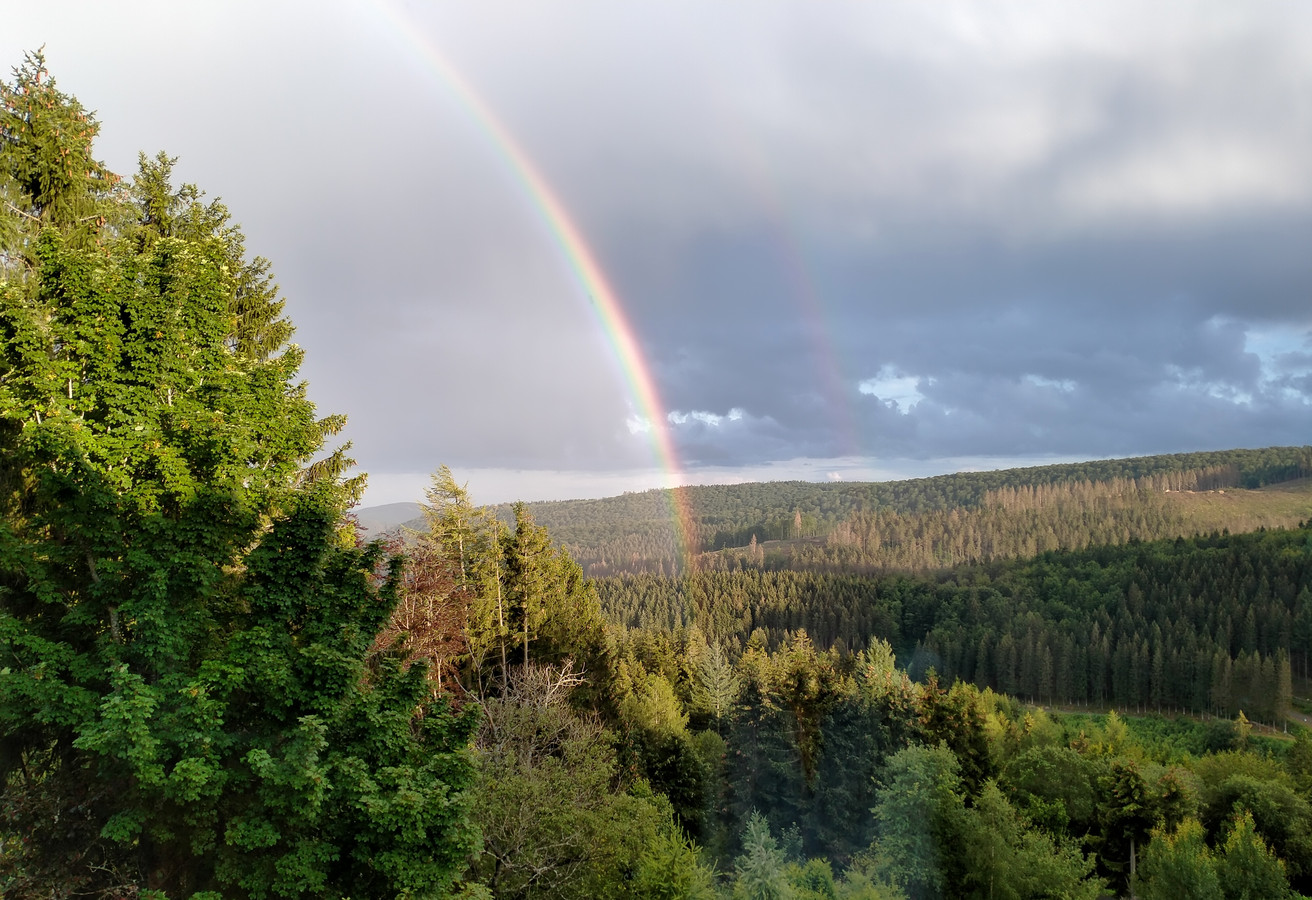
1072, 681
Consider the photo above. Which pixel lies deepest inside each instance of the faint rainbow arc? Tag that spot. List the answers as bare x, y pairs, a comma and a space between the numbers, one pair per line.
569, 240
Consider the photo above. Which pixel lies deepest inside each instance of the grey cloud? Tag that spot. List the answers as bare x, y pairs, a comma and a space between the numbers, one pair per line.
1066, 223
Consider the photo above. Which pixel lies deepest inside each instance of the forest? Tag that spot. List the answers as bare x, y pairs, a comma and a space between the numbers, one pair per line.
919, 522
1051, 682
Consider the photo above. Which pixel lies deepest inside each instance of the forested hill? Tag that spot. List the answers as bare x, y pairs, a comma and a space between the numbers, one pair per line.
635, 533
1211, 625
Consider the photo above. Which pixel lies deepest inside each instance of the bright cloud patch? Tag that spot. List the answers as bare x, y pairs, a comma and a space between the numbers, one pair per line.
1285, 358
894, 387
1065, 385
679, 417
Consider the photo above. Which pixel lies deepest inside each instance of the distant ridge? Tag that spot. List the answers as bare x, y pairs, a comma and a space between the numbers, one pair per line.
378, 520
633, 532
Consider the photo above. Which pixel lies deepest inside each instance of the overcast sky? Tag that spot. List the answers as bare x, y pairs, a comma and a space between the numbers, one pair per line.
854, 240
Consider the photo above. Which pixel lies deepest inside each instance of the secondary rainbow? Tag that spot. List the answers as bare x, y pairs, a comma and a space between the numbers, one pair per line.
580, 260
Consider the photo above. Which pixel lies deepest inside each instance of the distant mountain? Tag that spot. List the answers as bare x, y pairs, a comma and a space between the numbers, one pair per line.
376, 520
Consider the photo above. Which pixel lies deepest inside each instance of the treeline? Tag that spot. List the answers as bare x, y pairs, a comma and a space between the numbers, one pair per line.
635, 533
1209, 624
1028, 520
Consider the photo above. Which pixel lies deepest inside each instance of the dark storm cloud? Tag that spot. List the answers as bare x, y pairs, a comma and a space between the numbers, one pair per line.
895, 229
1096, 296
1117, 343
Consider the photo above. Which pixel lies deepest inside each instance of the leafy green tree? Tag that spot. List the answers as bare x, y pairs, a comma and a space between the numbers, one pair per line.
191, 700
857, 885
555, 818
1280, 815
813, 880
671, 869
917, 816
1299, 760
1055, 787
1246, 867
1002, 856
1178, 864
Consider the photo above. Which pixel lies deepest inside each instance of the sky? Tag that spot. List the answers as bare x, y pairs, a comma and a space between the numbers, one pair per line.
831, 241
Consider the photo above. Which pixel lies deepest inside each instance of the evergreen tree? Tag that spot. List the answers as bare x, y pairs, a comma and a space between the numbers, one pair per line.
191, 700
717, 679
760, 872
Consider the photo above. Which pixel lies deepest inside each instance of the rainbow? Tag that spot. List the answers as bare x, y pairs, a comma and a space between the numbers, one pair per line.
789, 255
581, 262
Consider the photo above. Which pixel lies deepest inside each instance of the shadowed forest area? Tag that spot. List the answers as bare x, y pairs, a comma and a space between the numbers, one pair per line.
1068, 681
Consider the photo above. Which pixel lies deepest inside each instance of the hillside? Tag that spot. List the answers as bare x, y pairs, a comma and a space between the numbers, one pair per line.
1205, 625
798, 523
635, 533
1021, 523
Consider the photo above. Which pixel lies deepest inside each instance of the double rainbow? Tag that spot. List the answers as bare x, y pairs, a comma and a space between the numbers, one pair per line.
581, 262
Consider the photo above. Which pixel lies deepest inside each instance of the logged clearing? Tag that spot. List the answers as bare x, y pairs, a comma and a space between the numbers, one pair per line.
1282, 505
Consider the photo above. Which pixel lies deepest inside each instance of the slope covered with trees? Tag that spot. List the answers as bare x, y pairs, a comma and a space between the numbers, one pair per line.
1211, 624
802, 771
1088, 502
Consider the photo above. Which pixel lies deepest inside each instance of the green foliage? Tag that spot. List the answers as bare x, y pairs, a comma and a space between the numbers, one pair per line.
954, 717
928, 522
555, 821
1055, 787
813, 880
1156, 627
192, 701
761, 872
933, 844
47, 172
1246, 868
718, 683
917, 814
671, 869
484, 600
1127, 813
1264, 794
1003, 857
1178, 864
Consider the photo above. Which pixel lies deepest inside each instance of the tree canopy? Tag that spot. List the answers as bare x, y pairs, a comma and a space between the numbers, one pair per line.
191, 700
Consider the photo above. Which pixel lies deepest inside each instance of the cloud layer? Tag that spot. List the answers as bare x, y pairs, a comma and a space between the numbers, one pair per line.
856, 231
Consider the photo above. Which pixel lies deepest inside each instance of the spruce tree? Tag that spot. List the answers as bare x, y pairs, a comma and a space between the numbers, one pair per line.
191, 701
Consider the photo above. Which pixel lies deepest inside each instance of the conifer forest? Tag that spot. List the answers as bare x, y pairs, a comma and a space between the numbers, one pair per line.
1078, 681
